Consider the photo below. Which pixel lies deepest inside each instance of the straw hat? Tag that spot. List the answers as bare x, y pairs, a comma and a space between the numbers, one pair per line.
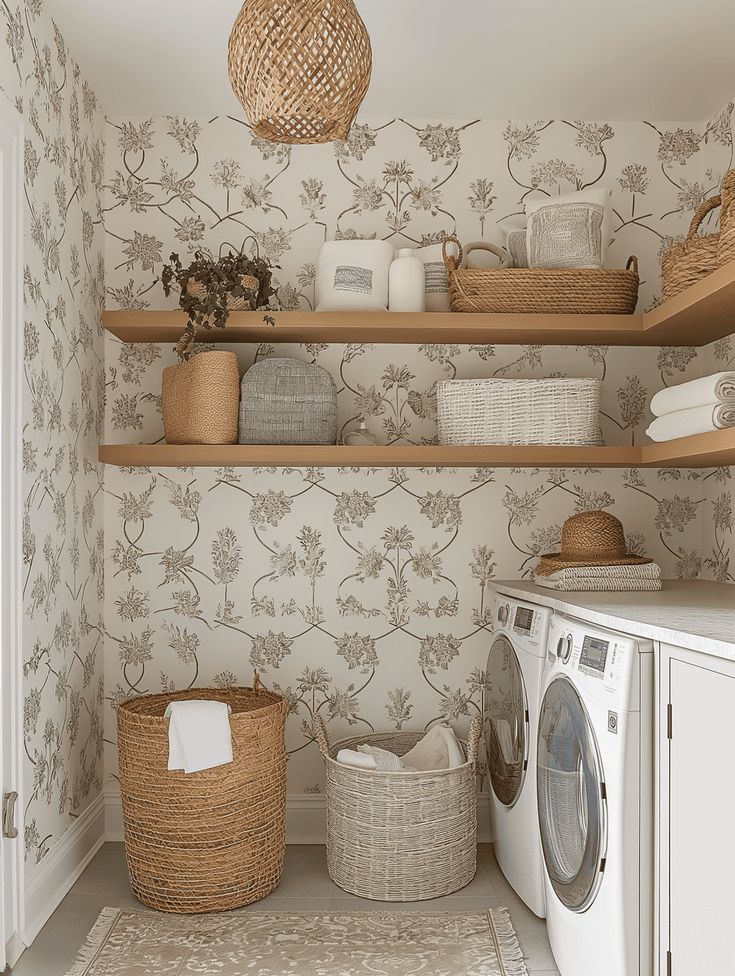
590, 539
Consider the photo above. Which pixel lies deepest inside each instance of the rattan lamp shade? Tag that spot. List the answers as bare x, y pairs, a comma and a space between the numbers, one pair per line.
300, 68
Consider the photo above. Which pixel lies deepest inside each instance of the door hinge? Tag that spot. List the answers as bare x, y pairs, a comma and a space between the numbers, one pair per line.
669, 720
668, 963
603, 864
9, 828
603, 790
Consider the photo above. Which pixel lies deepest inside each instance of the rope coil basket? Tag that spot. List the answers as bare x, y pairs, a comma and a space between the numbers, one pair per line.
685, 262
603, 291
400, 836
201, 399
516, 411
207, 841
300, 68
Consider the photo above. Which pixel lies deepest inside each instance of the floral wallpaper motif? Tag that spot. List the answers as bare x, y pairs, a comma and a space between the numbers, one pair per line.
363, 595
718, 543
63, 377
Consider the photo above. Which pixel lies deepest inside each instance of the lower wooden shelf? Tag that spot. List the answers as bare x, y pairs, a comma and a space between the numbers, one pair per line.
715, 449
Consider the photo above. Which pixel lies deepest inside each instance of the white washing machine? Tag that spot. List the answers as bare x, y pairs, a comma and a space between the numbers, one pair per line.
595, 799
514, 671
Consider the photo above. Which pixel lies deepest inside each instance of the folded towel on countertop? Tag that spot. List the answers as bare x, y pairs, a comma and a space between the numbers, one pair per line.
641, 571
718, 388
637, 578
199, 734
695, 420
360, 760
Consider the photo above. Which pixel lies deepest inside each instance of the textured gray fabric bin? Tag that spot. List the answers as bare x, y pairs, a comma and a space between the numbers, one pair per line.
285, 401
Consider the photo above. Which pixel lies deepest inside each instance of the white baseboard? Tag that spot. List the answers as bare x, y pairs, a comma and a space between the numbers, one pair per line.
305, 817
58, 871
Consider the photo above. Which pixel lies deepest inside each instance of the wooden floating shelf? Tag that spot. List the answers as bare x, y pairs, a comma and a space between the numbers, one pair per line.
716, 449
697, 316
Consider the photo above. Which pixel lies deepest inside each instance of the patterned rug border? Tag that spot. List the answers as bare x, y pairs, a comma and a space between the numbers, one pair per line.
507, 945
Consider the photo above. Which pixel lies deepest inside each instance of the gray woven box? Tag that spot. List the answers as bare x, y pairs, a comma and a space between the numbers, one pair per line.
285, 401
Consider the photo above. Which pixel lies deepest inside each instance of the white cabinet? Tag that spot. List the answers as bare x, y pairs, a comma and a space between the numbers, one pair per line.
696, 805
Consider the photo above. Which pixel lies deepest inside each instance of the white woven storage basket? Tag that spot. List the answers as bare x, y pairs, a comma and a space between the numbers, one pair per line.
400, 836
511, 411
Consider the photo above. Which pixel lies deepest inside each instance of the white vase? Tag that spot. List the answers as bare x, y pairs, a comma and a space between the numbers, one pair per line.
361, 436
407, 283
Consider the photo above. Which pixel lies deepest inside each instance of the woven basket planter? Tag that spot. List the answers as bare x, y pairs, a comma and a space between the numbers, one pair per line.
685, 262
603, 291
400, 836
207, 841
235, 303
510, 411
201, 399
726, 249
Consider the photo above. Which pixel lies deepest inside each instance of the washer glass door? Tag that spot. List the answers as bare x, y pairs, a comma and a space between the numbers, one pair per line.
571, 804
506, 721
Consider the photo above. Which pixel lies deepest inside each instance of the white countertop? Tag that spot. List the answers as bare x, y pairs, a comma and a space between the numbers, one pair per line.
698, 615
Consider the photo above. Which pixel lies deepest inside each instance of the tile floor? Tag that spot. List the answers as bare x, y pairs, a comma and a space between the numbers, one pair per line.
305, 887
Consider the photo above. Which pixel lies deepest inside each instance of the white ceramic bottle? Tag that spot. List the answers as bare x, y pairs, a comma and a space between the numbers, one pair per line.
406, 284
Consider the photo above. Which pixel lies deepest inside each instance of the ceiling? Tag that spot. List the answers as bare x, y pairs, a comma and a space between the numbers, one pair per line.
536, 59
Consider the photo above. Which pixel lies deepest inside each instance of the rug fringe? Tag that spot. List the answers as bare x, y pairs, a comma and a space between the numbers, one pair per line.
511, 954
95, 940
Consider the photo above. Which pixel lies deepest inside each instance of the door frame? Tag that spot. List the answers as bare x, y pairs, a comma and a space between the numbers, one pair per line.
11, 507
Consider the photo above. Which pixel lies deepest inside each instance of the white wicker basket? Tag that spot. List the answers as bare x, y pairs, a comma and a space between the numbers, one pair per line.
400, 836
511, 411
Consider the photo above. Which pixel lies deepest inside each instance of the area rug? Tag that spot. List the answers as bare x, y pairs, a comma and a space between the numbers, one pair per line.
127, 942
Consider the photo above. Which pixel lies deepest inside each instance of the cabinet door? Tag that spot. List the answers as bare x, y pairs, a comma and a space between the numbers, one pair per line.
701, 812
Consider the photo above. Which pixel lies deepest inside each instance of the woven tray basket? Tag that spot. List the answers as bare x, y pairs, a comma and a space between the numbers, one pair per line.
685, 262
726, 248
201, 399
609, 291
511, 411
400, 836
207, 841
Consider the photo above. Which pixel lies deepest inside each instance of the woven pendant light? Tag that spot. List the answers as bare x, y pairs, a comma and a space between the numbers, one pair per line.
300, 68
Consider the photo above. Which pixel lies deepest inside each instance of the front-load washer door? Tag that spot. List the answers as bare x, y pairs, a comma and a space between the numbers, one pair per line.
571, 797
506, 722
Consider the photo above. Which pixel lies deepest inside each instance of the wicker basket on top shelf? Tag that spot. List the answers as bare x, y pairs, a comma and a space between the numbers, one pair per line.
605, 291
685, 262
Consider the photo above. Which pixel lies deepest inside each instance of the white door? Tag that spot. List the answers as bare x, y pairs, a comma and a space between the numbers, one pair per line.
11, 331
701, 808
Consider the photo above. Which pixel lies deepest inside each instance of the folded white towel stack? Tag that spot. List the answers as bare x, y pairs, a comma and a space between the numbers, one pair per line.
199, 735
646, 577
695, 407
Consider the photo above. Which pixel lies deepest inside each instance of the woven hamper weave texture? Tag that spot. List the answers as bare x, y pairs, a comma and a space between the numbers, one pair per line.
400, 836
510, 411
286, 401
698, 255
608, 291
200, 399
207, 841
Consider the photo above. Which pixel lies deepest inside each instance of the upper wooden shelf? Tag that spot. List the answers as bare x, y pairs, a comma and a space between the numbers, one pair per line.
716, 449
697, 316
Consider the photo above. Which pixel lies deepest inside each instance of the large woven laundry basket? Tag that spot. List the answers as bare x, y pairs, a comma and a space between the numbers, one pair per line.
516, 411
400, 836
207, 841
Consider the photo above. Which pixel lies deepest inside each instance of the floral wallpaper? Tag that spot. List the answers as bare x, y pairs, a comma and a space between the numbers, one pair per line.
718, 542
363, 594
63, 392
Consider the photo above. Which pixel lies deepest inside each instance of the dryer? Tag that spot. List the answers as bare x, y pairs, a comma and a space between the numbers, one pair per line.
513, 681
594, 775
